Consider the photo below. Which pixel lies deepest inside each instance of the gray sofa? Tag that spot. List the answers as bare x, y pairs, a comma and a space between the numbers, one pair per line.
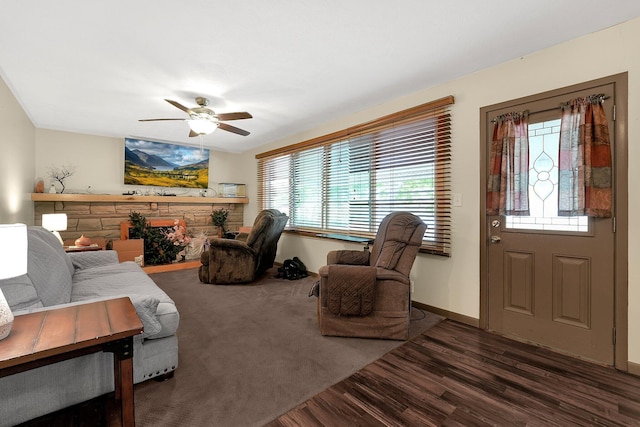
56, 279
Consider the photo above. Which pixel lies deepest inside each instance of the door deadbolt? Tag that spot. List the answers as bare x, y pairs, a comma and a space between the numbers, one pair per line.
495, 223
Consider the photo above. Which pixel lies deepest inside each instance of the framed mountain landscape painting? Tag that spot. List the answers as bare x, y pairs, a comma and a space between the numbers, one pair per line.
162, 164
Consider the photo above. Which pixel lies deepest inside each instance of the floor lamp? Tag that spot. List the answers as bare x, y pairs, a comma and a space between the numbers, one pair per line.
13, 263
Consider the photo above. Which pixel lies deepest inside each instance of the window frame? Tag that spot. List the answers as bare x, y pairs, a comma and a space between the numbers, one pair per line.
432, 123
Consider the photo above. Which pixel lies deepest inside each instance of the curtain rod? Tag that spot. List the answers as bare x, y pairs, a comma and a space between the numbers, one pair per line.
597, 97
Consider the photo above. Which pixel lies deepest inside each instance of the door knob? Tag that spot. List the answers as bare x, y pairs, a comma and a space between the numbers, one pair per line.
495, 239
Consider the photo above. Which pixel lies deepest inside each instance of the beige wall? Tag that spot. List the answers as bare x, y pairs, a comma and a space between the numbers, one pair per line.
448, 283
99, 162
17, 151
453, 284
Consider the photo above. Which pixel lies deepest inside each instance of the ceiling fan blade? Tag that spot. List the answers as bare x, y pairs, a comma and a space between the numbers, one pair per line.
156, 120
233, 129
234, 116
192, 133
178, 105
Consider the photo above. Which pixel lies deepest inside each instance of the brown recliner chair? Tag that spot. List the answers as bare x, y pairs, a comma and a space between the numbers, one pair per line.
368, 294
247, 257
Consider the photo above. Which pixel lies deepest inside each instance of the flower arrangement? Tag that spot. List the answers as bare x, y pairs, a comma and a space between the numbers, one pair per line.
177, 235
161, 244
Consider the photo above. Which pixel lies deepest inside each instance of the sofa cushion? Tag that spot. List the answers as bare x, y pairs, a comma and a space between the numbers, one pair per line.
49, 267
82, 260
20, 293
128, 279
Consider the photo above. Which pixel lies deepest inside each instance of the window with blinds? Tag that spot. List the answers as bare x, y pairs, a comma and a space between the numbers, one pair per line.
347, 182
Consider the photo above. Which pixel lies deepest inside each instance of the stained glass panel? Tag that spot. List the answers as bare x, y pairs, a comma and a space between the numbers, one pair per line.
544, 138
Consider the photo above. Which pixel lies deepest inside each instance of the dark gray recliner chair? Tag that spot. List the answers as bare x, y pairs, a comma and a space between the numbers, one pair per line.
247, 257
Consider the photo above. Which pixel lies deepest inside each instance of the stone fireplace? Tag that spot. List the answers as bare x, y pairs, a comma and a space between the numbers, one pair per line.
101, 216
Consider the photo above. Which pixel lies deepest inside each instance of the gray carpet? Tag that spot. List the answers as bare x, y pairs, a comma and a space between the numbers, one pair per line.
249, 353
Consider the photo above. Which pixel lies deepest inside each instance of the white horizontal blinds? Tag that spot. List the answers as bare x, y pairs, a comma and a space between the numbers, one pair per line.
438, 199
306, 188
273, 183
349, 181
348, 185
410, 172
339, 188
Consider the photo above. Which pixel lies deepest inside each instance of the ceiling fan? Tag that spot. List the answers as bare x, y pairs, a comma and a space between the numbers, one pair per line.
203, 120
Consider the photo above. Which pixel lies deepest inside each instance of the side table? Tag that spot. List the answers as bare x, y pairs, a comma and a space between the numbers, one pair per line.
49, 336
93, 247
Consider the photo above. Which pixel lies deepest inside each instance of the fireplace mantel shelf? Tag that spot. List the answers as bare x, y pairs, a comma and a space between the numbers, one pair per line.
48, 197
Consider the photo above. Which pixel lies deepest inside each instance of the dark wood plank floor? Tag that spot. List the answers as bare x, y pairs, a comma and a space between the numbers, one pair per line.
458, 375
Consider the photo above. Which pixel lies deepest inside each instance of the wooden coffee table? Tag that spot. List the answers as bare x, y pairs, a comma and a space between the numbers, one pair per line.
50, 336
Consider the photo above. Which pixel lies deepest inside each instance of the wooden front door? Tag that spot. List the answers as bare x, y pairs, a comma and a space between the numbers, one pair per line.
551, 279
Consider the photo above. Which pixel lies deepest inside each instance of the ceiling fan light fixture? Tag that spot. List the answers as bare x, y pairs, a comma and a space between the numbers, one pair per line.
202, 127
203, 121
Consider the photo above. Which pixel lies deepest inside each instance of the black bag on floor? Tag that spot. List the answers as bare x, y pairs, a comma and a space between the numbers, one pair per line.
292, 269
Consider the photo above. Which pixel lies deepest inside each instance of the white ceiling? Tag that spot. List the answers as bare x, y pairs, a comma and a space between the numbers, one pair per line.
96, 67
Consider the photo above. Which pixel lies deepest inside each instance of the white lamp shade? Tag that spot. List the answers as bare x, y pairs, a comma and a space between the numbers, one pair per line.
54, 222
13, 250
202, 127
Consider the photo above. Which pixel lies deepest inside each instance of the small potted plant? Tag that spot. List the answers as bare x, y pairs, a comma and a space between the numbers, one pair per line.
219, 219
